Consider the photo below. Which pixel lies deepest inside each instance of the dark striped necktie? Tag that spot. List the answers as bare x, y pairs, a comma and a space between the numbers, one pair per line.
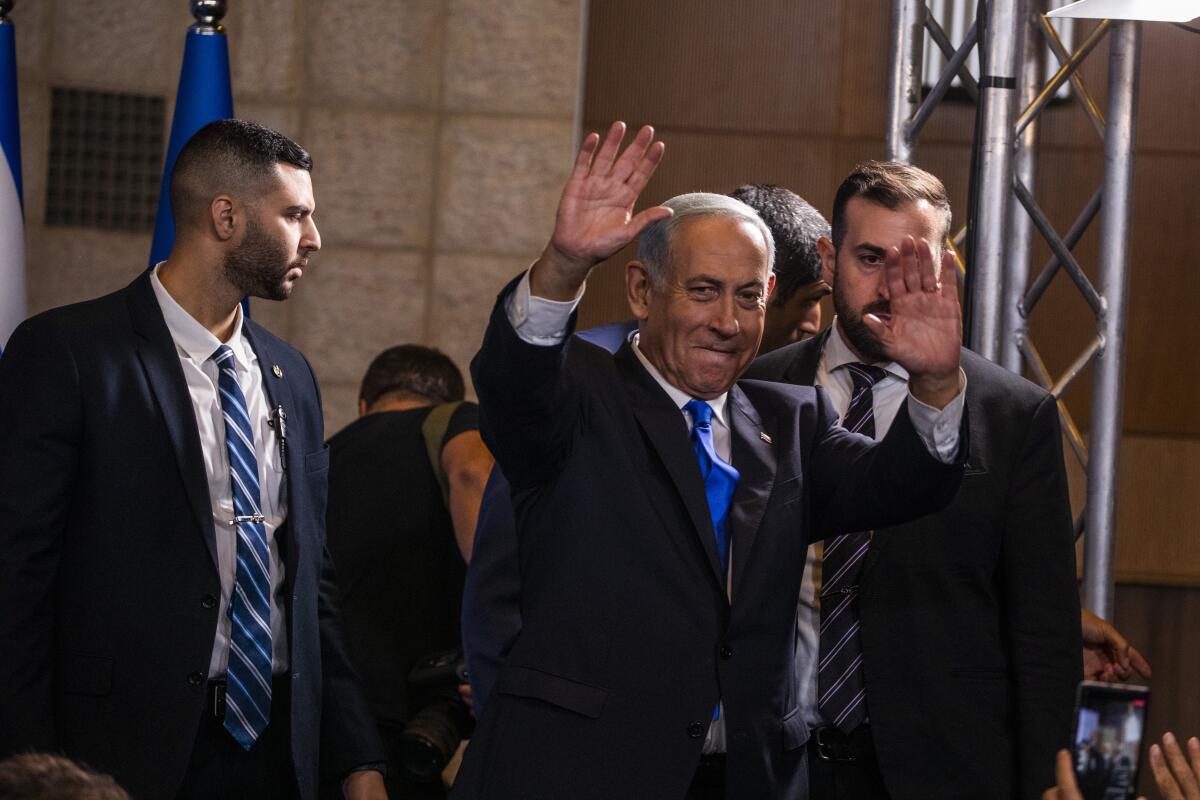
248, 675
841, 690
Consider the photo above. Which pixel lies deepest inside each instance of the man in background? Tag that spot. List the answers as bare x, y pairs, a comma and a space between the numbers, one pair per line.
405, 481
794, 311
959, 632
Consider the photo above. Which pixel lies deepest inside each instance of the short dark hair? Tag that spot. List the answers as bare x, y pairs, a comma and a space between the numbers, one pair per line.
890, 184
796, 227
229, 155
414, 370
43, 776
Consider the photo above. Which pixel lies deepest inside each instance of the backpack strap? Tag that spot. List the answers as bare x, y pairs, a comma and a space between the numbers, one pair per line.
433, 431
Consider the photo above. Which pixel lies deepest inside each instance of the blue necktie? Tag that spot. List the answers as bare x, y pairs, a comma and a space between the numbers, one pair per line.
720, 479
841, 687
248, 691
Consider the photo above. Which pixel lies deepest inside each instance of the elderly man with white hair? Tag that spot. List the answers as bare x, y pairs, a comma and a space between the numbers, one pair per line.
664, 508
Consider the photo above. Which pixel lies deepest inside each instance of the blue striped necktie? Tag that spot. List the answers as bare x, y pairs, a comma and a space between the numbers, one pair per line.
248, 691
720, 479
841, 689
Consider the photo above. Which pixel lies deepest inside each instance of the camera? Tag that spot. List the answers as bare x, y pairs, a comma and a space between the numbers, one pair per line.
442, 720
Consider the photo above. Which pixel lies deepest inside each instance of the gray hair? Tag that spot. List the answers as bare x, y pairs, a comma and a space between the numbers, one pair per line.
654, 244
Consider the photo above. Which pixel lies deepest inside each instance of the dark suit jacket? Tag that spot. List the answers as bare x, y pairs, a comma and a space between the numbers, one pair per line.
628, 638
970, 617
491, 603
108, 573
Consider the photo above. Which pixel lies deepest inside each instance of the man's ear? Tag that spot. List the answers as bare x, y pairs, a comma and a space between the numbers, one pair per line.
638, 289
223, 216
828, 255
772, 285
362, 407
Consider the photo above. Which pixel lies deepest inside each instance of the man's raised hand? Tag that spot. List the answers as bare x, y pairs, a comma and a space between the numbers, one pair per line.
923, 333
595, 214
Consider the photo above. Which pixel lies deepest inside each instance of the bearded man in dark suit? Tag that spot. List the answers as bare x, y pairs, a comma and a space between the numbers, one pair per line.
968, 619
167, 607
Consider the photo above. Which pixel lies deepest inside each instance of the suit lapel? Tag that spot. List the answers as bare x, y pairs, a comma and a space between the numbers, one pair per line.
279, 392
279, 396
667, 431
754, 460
160, 361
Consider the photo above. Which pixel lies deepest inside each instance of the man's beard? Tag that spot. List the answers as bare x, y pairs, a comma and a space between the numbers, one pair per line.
862, 339
258, 265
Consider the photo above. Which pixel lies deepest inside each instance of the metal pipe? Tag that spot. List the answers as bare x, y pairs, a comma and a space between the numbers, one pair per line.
1063, 55
941, 87
1065, 257
1064, 73
1020, 240
1094, 348
1124, 51
1042, 375
997, 99
939, 37
1078, 228
904, 89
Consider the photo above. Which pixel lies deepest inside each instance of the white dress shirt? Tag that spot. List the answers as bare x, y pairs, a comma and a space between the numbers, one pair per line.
195, 345
939, 431
544, 322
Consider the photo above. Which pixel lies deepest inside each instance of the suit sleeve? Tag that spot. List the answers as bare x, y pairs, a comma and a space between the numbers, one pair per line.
859, 485
349, 738
528, 400
491, 612
1041, 600
40, 430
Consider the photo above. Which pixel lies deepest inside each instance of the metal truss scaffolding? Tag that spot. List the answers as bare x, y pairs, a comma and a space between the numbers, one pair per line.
1014, 38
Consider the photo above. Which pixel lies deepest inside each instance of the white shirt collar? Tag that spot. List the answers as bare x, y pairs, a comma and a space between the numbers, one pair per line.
679, 397
838, 354
191, 338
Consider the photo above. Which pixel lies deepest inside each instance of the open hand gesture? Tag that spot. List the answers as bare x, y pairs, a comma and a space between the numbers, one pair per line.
923, 333
1178, 778
595, 214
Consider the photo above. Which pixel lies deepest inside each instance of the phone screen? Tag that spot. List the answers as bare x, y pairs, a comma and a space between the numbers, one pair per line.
1109, 722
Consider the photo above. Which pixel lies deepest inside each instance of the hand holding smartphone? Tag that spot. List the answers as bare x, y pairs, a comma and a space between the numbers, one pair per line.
1109, 722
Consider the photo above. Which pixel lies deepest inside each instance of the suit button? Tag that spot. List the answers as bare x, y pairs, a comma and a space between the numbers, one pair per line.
208, 601
696, 730
726, 652
195, 678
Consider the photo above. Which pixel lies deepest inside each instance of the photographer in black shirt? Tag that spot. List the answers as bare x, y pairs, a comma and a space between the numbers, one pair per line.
405, 482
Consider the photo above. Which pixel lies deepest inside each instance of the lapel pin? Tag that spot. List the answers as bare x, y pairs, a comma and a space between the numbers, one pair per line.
764, 437
278, 372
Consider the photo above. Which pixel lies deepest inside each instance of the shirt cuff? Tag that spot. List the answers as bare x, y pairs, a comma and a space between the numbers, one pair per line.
537, 320
938, 428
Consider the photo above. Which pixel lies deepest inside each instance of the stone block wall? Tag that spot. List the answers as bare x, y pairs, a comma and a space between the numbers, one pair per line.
441, 132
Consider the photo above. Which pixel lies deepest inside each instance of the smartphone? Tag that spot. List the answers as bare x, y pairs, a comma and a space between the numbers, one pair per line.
1109, 721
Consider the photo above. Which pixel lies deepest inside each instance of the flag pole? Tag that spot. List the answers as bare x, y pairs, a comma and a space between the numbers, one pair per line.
204, 95
13, 295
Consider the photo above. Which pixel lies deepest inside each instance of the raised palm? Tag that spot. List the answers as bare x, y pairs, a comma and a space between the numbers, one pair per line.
595, 214
924, 331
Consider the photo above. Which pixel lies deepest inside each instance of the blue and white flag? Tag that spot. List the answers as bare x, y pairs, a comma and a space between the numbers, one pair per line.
12, 215
204, 96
